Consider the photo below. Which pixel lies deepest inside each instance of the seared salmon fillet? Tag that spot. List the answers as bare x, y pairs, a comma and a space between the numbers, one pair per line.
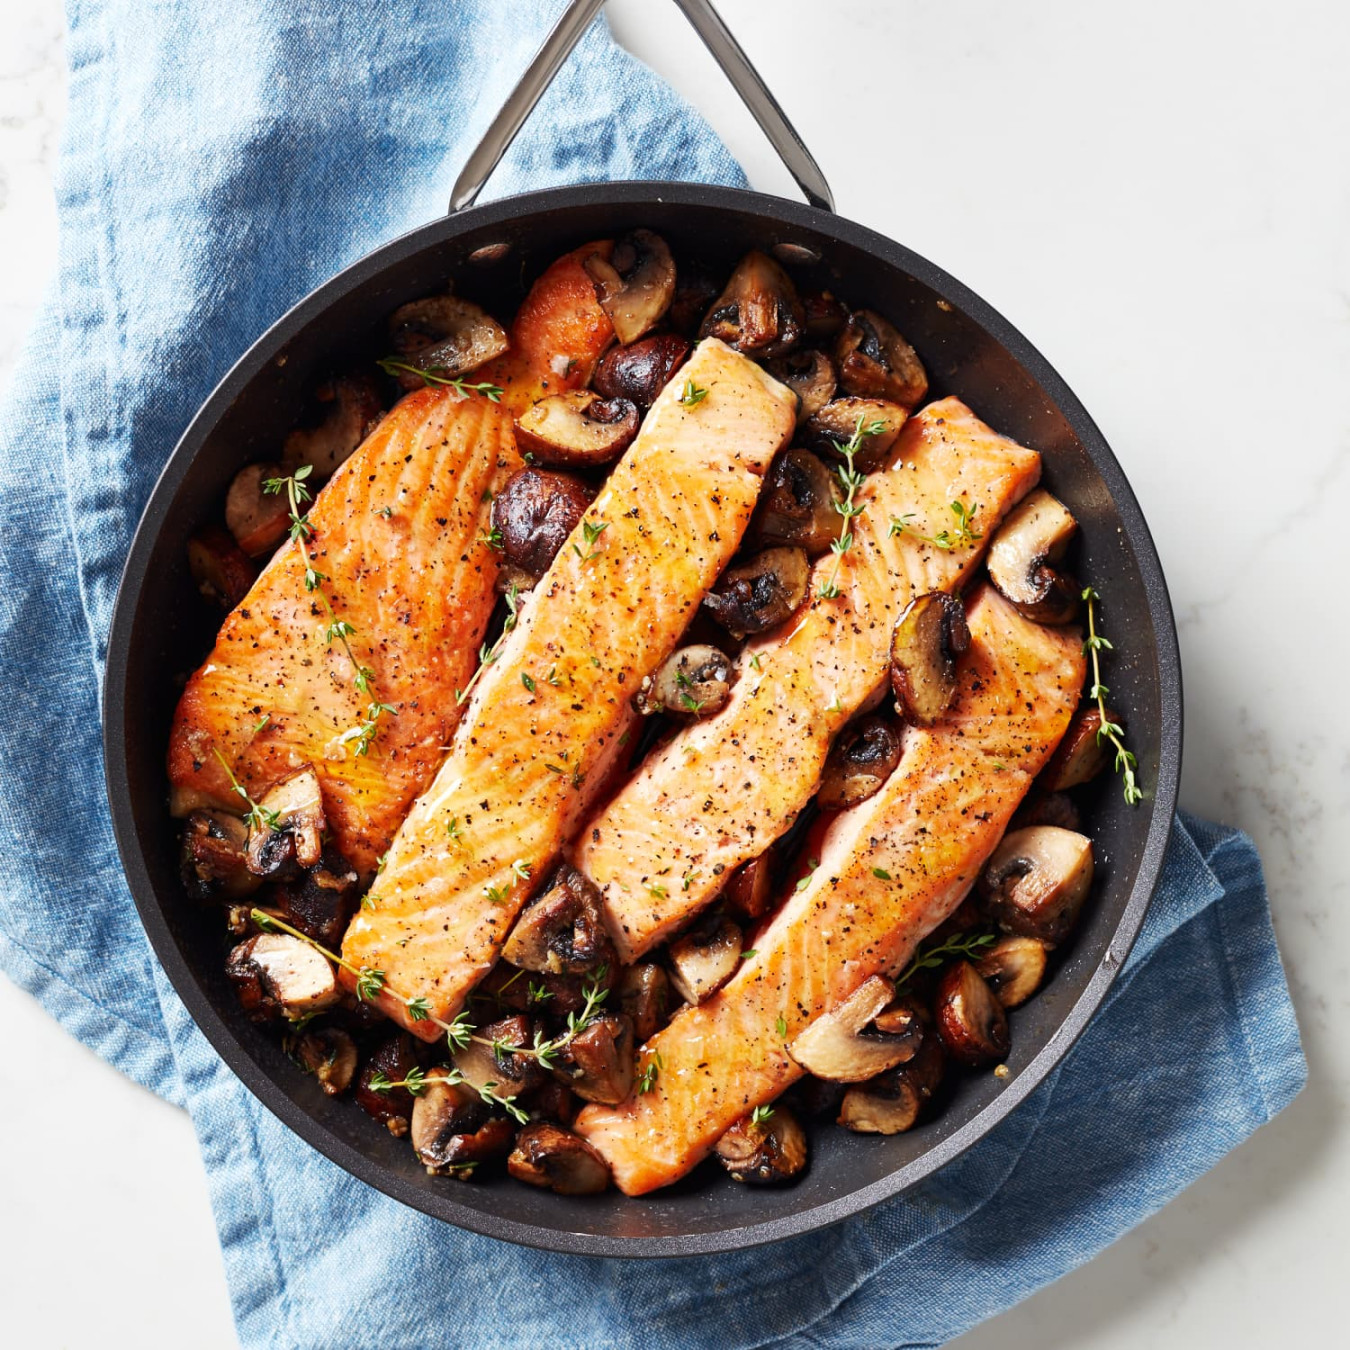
548, 711
722, 790
890, 870
399, 534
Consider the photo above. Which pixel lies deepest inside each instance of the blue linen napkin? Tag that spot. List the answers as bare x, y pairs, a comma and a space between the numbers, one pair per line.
219, 162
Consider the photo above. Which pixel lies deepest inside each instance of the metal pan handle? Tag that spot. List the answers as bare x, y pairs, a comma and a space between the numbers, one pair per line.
727, 52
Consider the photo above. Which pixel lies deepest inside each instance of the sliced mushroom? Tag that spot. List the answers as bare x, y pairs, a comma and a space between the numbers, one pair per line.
644, 996
354, 410
561, 931
493, 1067
291, 832
636, 285
704, 959
892, 1102
258, 519
823, 315
796, 505
1037, 880
392, 1107
695, 289
552, 1101
861, 759
452, 1128
557, 1160
875, 361
1013, 968
579, 429
598, 1063
220, 568
321, 901
815, 1097
810, 375
444, 334
843, 1045
837, 423
640, 371
692, 682
330, 1055
1046, 808
758, 313
535, 512
1082, 754
541, 992
275, 974
761, 593
930, 636
1023, 557
969, 1018
766, 1152
214, 858
749, 893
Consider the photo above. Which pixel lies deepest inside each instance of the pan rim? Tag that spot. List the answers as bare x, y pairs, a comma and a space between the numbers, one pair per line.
509, 210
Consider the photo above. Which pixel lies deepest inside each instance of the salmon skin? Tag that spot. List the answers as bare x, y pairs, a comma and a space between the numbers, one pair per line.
891, 869
548, 711
399, 533
722, 790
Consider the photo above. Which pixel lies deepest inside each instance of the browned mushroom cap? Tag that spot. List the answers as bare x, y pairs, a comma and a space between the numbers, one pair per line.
493, 1066
558, 1160
1013, 968
764, 1152
535, 512
330, 1055
1046, 808
1082, 754
598, 1063
761, 593
844, 1046
1022, 558
929, 638
1037, 880
220, 568
749, 893
823, 315
875, 361
796, 505
704, 959
258, 519
551, 1100
214, 862
893, 1101
321, 901
577, 429
291, 832
758, 313
354, 410
644, 996
542, 992
862, 758
446, 335
452, 1128
393, 1058
692, 682
561, 930
695, 289
636, 285
969, 1018
837, 422
810, 375
641, 370
275, 974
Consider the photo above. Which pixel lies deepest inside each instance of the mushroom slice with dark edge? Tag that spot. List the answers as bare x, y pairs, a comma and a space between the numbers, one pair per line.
823, 315
1023, 557
892, 1102
452, 1128
1046, 808
557, 1160
843, 1046
1082, 754
644, 996
635, 287
393, 1106
321, 901
354, 409
761, 593
837, 422
562, 930
758, 313
764, 1152
290, 835
493, 1066
258, 519
534, 513
692, 682
598, 1063
446, 335
577, 429
875, 361
552, 1101
862, 758
704, 959
796, 506
1037, 880
695, 289
1013, 968
330, 1055
641, 370
810, 375
221, 569
749, 893
929, 637
214, 857
275, 974
969, 1018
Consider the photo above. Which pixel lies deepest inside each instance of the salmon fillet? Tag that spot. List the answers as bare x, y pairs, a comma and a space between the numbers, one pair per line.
416, 585
722, 790
547, 713
891, 869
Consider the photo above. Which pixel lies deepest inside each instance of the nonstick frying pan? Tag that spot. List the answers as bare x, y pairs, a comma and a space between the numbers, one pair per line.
159, 631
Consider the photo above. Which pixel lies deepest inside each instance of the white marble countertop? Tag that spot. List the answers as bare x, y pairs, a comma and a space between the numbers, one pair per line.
1159, 197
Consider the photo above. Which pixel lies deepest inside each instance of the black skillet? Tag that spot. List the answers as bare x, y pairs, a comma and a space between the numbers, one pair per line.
969, 351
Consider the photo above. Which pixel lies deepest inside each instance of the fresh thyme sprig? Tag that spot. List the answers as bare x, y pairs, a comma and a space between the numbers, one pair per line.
964, 532
415, 1082
761, 1115
930, 958
591, 532
392, 366
851, 480
692, 395
1108, 730
651, 1071
487, 655
257, 815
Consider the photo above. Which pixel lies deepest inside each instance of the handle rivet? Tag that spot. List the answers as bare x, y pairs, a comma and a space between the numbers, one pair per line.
489, 254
